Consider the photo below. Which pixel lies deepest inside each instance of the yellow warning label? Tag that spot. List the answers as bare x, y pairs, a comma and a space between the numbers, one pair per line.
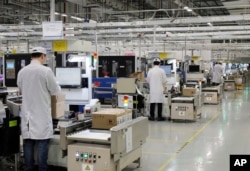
87, 167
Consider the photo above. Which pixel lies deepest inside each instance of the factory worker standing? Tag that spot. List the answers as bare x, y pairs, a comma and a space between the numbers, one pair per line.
157, 80
36, 84
217, 74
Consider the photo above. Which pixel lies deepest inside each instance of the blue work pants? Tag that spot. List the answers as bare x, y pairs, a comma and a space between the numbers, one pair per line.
42, 147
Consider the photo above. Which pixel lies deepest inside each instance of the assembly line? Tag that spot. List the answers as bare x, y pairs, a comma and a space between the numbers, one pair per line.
103, 113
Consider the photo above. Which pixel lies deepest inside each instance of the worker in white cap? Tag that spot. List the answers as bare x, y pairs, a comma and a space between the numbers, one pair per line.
157, 80
36, 83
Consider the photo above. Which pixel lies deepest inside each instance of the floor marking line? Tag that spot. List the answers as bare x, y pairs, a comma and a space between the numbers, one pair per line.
164, 165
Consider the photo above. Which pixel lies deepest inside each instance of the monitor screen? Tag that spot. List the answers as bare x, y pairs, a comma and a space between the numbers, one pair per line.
194, 68
10, 65
167, 69
69, 77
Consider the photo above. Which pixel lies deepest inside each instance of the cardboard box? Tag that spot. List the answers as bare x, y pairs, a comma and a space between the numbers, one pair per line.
108, 118
139, 75
57, 105
189, 92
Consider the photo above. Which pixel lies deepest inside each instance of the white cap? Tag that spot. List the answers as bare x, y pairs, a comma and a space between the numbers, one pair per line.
156, 60
39, 50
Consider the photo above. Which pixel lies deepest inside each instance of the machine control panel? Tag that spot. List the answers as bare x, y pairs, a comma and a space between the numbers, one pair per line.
10, 69
92, 157
87, 157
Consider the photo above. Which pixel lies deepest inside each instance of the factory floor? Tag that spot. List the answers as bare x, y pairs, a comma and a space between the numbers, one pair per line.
203, 145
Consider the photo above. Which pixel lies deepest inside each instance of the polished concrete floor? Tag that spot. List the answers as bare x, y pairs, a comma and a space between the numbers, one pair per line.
203, 145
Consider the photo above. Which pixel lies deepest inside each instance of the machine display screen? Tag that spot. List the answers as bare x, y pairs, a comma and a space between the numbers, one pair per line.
10, 65
194, 68
69, 77
167, 69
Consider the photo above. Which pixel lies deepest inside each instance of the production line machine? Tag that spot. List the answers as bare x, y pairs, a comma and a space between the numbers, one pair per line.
78, 146
229, 85
185, 108
212, 95
111, 150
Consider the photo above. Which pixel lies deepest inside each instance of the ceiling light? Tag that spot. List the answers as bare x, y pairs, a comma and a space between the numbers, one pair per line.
185, 8
210, 24
64, 15
76, 18
57, 13
189, 10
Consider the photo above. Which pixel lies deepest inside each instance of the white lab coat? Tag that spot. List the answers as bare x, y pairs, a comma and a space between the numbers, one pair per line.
157, 80
217, 73
37, 83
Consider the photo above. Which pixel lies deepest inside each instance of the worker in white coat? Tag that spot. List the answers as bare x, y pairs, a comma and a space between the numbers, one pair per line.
36, 83
217, 74
157, 80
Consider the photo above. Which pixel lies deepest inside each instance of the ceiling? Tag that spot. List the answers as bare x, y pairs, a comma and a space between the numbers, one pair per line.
144, 24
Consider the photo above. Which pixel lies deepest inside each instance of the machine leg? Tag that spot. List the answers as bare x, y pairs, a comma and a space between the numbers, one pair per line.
139, 162
118, 167
16, 161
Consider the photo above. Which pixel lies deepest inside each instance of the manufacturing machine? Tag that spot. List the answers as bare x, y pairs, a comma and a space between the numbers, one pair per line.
229, 85
185, 108
111, 150
12, 64
212, 95
194, 77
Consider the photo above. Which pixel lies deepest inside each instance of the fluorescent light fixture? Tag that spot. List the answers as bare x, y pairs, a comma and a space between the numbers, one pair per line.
64, 15
57, 13
29, 30
77, 58
76, 18
69, 28
36, 22
210, 24
69, 35
189, 10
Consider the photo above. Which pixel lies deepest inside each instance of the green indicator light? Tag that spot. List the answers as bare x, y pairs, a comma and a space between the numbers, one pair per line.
86, 155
